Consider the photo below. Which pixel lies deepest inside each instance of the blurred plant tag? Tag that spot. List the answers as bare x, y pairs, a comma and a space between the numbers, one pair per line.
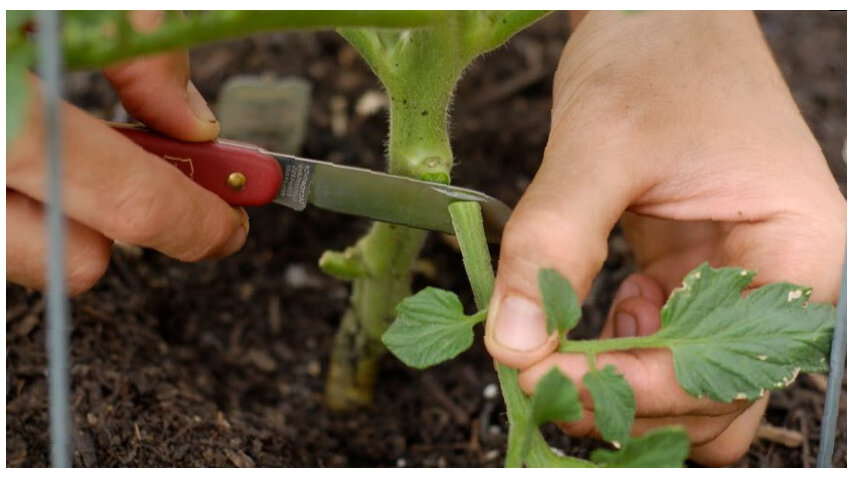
271, 113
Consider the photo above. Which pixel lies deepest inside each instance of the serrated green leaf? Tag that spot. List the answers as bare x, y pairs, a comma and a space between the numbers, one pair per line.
430, 328
665, 447
703, 290
525, 444
559, 301
731, 348
613, 402
555, 399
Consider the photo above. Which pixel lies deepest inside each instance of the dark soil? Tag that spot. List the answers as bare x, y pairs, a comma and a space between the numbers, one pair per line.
222, 363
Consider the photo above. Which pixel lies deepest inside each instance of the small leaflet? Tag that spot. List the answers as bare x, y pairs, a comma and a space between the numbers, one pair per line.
613, 402
430, 328
559, 301
555, 400
665, 447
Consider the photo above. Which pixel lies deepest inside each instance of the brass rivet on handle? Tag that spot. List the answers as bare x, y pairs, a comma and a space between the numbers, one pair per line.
236, 181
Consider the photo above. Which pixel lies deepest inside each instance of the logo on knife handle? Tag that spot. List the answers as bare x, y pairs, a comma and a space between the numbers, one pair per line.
295, 188
183, 164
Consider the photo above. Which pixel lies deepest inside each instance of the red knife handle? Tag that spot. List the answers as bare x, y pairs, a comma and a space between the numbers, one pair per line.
240, 174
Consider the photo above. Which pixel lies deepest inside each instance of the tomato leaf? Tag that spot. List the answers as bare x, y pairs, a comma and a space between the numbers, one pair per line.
559, 301
665, 447
430, 328
728, 347
555, 399
614, 403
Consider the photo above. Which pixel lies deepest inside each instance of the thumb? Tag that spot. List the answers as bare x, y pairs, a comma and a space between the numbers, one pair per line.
157, 90
562, 222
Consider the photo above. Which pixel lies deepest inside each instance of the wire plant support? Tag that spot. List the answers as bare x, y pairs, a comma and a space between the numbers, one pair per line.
834, 382
50, 68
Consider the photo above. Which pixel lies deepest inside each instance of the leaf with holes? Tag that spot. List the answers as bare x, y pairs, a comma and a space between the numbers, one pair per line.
728, 347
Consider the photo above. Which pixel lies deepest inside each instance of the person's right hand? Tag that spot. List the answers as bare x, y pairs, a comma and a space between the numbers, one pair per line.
680, 125
113, 189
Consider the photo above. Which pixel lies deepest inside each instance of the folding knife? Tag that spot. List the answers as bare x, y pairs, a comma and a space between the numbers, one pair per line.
247, 175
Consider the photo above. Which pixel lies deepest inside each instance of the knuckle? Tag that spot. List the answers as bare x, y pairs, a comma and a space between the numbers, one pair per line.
537, 237
137, 217
214, 231
26, 272
527, 243
189, 229
196, 251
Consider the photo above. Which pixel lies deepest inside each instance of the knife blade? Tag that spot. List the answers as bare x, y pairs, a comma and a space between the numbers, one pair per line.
247, 175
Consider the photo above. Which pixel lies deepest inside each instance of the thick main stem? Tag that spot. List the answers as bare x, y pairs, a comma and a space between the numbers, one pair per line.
419, 69
419, 147
386, 255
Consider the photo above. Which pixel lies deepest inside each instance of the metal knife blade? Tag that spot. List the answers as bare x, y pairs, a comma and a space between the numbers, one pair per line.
381, 196
247, 175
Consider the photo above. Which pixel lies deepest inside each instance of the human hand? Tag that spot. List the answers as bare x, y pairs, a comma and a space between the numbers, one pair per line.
113, 189
680, 126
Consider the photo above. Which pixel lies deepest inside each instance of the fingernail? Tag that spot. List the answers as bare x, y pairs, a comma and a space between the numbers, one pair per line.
626, 325
520, 324
626, 290
198, 105
238, 238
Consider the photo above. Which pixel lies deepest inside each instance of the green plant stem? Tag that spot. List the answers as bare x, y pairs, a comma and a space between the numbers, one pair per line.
539, 454
418, 147
468, 221
594, 347
468, 226
386, 254
419, 69
94, 44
